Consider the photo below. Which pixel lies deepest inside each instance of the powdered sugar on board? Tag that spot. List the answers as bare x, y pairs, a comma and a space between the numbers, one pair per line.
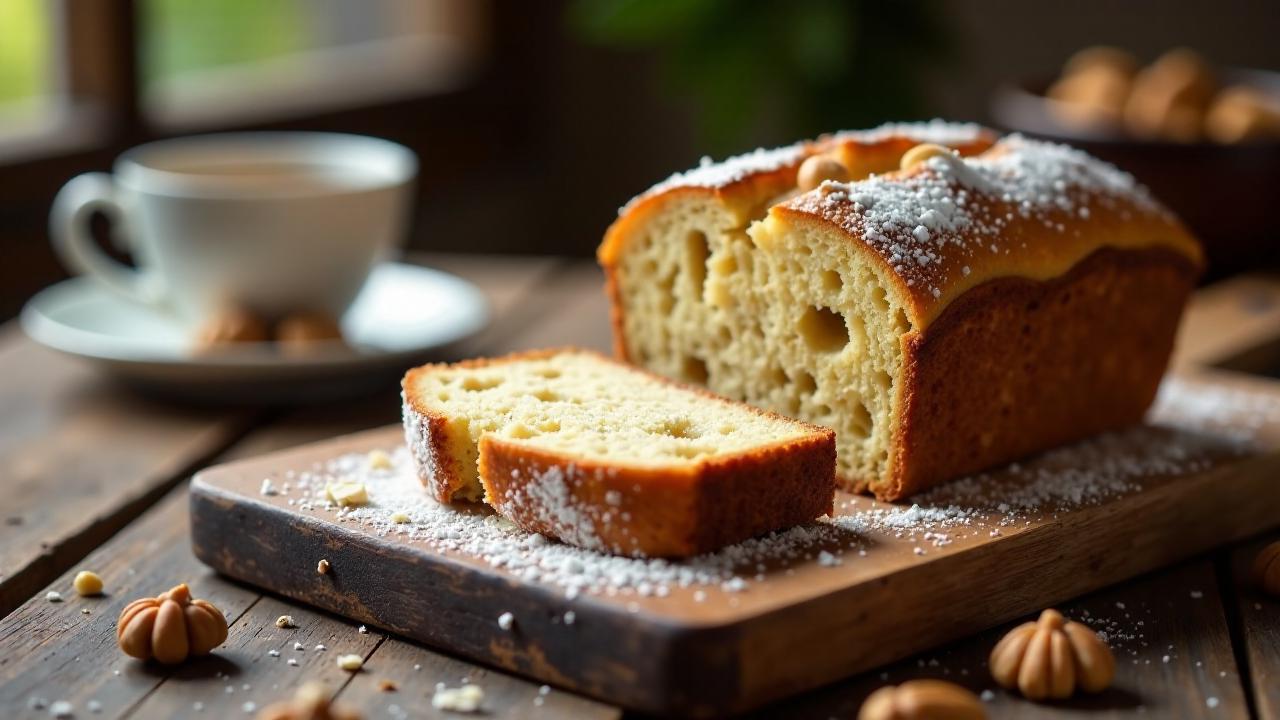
1087, 474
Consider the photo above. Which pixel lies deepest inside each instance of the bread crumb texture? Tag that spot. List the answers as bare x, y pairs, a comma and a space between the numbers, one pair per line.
803, 303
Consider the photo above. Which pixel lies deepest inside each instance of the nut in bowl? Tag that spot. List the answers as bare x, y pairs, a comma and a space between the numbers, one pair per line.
1204, 139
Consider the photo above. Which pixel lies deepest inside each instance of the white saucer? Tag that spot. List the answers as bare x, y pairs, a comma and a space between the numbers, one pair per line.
404, 314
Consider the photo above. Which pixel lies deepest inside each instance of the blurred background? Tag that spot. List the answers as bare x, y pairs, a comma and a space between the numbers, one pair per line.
535, 121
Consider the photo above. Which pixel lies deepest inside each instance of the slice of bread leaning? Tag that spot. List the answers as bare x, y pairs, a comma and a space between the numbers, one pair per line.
945, 310
575, 446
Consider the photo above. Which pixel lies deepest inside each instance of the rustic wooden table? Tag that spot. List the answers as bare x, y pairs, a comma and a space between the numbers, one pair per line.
94, 477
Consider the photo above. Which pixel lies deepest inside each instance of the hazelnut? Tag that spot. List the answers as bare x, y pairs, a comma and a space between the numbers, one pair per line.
1169, 98
922, 152
322, 567
1051, 657
1242, 114
819, 168
1095, 96
311, 702
228, 325
922, 700
300, 331
1112, 59
87, 583
1266, 570
170, 627
285, 622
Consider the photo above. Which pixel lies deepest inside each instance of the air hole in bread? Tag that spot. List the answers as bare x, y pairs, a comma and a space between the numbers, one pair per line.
442, 395
882, 379
880, 299
689, 451
550, 426
547, 395
521, 432
823, 329
831, 281
776, 376
473, 383
901, 322
695, 258
694, 370
676, 428
549, 373
666, 294
860, 419
805, 384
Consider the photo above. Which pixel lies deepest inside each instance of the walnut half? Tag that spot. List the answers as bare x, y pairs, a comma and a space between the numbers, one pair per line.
1051, 657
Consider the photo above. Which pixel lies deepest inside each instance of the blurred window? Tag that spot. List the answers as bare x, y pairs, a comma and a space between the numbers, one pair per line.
26, 87
206, 62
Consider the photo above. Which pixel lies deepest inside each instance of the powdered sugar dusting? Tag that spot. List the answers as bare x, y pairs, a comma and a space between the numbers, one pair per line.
547, 494
712, 174
912, 219
1088, 474
475, 531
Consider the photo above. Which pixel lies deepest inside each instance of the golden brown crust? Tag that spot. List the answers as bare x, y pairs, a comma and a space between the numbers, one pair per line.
1001, 239
671, 511
660, 512
427, 434
1016, 366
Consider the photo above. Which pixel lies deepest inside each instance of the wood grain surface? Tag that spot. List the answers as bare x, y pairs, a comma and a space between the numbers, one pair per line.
622, 648
74, 418
1258, 622
1169, 633
80, 457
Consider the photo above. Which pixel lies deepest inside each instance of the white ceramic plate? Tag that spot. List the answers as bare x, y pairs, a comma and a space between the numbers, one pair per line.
403, 314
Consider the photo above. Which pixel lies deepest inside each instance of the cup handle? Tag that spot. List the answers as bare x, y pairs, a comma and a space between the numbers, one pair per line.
74, 204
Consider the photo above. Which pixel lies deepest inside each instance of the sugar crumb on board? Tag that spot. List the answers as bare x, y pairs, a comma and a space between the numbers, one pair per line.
1200, 425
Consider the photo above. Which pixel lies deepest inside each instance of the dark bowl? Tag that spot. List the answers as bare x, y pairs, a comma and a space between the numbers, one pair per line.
1229, 195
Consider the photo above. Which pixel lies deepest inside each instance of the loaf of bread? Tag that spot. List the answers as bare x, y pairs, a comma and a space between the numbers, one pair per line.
575, 446
956, 314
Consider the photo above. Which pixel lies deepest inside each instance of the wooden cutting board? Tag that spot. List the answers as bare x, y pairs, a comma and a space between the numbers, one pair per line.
883, 583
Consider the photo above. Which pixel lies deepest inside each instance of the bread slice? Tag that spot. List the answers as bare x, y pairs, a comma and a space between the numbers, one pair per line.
962, 312
573, 445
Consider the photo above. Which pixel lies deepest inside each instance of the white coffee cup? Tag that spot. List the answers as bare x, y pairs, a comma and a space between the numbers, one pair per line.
276, 222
